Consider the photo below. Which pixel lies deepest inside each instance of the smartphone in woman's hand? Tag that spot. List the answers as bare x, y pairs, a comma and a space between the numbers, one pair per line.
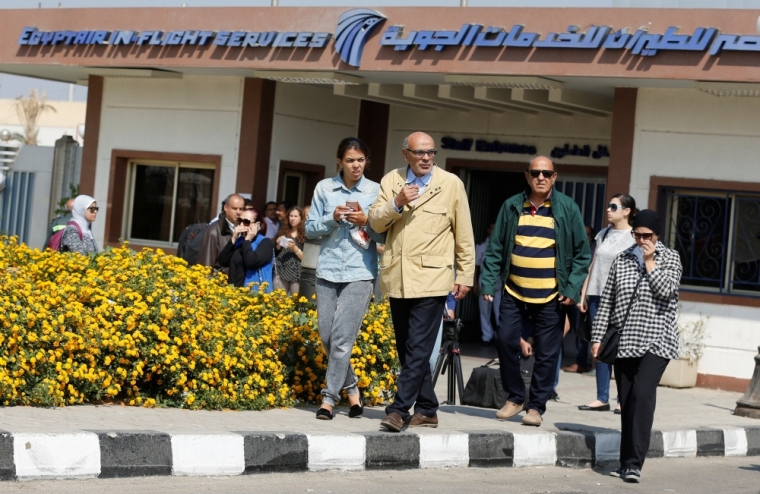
354, 205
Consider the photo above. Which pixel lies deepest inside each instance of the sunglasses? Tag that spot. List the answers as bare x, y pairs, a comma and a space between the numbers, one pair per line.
545, 173
93, 209
614, 207
244, 222
640, 236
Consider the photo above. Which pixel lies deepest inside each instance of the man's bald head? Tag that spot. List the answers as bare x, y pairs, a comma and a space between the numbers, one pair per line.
233, 206
541, 163
419, 151
413, 138
70, 204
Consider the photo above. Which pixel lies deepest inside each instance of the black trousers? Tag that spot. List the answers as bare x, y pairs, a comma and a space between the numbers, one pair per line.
416, 322
548, 326
637, 380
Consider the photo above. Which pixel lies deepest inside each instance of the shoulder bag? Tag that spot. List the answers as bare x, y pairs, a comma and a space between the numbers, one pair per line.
611, 339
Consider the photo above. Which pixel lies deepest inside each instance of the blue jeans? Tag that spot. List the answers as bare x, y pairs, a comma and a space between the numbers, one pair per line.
603, 371
340, 310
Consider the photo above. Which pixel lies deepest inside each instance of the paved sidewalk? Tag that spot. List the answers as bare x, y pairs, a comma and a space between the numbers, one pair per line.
116, 441
676, 409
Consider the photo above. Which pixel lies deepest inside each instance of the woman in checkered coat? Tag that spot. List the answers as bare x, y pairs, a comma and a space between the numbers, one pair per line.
650, 274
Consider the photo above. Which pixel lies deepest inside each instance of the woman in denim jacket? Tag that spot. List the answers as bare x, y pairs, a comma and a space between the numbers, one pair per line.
345, 269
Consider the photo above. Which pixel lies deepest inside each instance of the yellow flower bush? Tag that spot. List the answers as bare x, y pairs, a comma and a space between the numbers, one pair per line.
144, 329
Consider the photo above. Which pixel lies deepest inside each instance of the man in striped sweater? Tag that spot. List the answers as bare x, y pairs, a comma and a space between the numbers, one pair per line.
539, 248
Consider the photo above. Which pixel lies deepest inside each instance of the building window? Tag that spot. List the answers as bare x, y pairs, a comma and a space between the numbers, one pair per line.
717, 234
164, 198
293, 187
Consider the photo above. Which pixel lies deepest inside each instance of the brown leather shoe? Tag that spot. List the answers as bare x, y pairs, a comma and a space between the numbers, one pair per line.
532, 418
509, 410
393, 422
575, 368
419, 420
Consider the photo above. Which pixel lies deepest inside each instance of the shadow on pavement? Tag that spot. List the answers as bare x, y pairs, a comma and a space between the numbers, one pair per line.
576, 427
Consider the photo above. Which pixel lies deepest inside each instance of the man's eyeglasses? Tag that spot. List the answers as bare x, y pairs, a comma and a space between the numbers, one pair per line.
545, 173
614, 207
640, 236
93, 209
420, 153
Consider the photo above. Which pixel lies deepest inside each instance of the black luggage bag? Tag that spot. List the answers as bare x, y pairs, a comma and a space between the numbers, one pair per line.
484, 387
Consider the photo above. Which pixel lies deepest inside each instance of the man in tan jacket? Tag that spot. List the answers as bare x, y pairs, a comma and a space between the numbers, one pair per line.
425, 213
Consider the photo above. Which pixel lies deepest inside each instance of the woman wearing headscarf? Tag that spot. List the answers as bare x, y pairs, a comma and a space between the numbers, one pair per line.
77, 237
640, 299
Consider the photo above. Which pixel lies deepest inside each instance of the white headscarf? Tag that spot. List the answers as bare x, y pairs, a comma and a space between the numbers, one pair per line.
81, 203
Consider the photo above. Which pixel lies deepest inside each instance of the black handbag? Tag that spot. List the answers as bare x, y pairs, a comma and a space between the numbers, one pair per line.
484, 388
583, 327
611, 339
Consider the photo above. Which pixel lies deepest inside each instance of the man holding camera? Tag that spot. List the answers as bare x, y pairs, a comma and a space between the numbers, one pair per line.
539, 248
425, 213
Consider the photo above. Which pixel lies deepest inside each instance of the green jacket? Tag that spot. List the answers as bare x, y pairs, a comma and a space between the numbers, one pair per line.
573, 252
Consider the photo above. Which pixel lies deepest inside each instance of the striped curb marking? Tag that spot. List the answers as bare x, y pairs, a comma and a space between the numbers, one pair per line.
208, 454
100, 453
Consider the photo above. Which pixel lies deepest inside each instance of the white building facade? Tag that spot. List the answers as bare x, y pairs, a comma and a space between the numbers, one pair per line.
663, 104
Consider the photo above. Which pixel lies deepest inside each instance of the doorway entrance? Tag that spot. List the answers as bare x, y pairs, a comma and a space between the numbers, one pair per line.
297, 181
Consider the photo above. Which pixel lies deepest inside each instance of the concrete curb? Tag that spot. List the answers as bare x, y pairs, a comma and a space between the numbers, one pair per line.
108, 454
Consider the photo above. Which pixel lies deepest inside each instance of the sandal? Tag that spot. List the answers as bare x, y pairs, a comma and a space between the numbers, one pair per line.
324, 414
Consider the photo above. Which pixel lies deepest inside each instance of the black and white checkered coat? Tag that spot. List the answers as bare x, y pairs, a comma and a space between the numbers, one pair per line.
652, 325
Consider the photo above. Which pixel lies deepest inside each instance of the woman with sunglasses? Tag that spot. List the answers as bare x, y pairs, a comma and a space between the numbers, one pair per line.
346, 268
77, 236
249, 254
611, 241
641, 299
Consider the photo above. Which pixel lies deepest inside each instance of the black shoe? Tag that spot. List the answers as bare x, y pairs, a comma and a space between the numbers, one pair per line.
618, 473
554, 396
600, 408
632, 475
618, 411
356, 411
324, 414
